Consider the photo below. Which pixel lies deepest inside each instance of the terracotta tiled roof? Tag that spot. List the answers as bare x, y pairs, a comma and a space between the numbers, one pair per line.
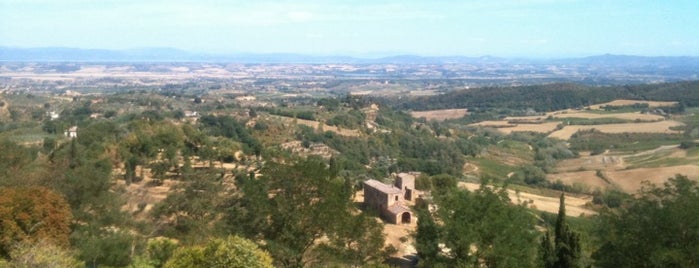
384, 188
398, 208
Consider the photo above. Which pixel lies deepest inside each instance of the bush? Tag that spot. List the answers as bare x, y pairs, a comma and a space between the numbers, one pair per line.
230, 252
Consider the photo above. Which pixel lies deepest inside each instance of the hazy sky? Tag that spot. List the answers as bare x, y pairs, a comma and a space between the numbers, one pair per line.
523, 28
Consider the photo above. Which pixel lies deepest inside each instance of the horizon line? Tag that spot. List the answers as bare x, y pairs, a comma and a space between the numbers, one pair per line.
356, 55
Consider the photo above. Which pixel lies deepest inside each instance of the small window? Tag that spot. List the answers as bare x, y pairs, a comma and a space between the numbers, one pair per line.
396, 198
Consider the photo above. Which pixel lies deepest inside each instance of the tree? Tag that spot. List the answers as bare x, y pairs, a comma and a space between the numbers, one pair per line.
426, 238
32, 214
14, 162
301, 210
478, 230
103, 247
565, 250
658, 229
443, 183
547, 253
41, 254
231, 252
159, 250
189, 212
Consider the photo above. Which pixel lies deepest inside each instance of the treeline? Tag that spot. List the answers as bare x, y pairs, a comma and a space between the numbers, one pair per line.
544, 98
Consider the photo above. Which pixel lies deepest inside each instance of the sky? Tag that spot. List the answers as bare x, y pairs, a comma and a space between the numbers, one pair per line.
505, 28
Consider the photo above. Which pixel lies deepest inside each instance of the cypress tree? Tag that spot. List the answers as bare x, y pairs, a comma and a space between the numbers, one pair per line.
565, 251
548, 255
567, 242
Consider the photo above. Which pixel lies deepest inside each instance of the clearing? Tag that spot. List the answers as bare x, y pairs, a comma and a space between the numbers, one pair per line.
575, 206
627, 172
651, 104
626, 116
653, 127
314, 125
507, 127
440, 115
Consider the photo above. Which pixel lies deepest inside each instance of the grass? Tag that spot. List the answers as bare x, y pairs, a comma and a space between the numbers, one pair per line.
662, 162
617, 111
624, 142
492, 168
517, 148
591, 121
662, 159
693, 152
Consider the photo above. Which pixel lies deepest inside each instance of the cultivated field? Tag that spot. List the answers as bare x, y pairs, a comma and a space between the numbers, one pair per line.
548, 122
653, 127
588, 178
507, 128
440, 115
631, 180
626, 116
627, 172
651, 104
575, 206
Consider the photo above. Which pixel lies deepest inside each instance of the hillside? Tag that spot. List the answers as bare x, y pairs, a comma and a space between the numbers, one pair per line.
546, 98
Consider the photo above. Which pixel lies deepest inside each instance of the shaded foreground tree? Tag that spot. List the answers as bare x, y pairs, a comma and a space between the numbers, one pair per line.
565, 251
426, 238
479, 229
32, 214
660, 228
305, 215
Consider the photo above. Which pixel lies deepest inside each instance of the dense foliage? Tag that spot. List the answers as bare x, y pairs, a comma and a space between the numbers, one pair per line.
233, 252
477, 230
657, 229
553, 97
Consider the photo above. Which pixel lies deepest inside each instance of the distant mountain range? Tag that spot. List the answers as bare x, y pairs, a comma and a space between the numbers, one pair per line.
56, 54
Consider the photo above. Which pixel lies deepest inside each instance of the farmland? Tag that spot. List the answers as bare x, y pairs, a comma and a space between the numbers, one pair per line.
210, 155
665, 127
440, 115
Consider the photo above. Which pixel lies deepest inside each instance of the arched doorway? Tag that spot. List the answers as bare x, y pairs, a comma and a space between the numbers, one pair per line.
405, 217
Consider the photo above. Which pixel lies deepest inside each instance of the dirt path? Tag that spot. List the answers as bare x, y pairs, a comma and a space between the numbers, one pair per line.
574, 206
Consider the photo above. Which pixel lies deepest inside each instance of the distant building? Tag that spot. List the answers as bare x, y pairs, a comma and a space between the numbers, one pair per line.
191, 113
245, 98
390, 200
72, 132
53, 115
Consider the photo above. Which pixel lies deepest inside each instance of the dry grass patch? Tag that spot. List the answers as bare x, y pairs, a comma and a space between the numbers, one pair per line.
594, 162
588, 178
651, 104
631, 180
440, 115
315, 124
653, 127
575, 206
626, 116
507, 128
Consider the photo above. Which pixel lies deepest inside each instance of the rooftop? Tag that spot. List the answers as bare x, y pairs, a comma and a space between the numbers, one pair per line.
382, 187
398, 208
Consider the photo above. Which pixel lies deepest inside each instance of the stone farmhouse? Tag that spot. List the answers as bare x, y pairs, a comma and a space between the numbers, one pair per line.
390, 200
